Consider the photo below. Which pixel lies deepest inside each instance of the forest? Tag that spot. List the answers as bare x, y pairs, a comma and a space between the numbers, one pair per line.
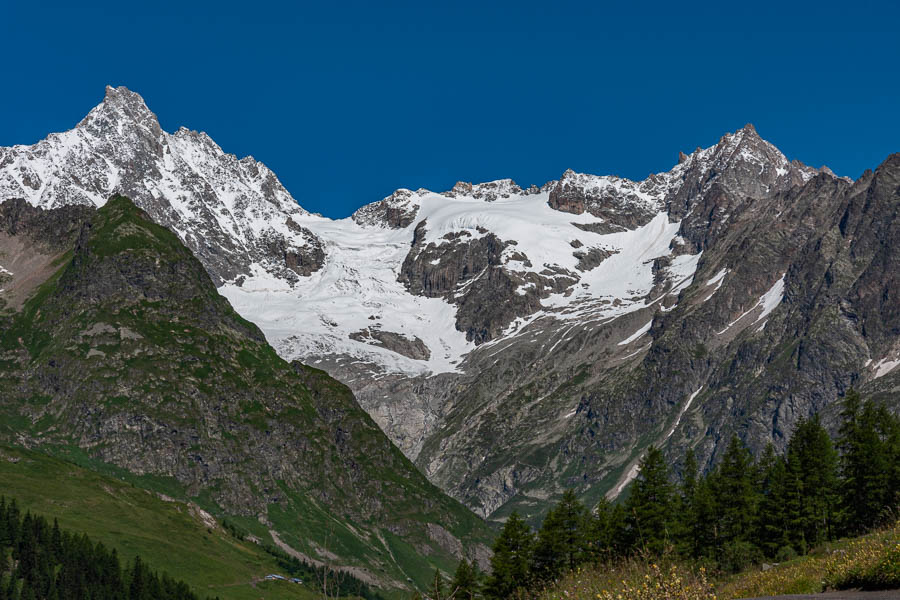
742, 512
40, 561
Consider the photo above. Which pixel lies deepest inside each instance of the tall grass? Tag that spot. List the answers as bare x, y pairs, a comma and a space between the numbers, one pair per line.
632, 579
868, 562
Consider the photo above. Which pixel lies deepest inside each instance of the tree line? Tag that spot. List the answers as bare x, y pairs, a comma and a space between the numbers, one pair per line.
743, 511
39, 561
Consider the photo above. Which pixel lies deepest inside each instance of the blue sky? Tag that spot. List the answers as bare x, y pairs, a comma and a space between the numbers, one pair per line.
347, 101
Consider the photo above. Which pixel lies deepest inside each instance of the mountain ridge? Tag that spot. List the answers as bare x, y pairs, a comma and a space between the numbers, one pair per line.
490, 312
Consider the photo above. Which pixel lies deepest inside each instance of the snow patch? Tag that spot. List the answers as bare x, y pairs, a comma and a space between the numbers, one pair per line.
885, 366
718, 278
630, 476
640, 332
683, 410
636, 352
768, 302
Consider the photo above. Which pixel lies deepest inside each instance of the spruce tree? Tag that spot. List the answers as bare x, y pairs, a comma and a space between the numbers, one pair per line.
685, 522
464, 585
817, 469
436, 591
562, 542
868, 444
735, 493
604, 529
792, 504
649, 508
511, 562
771, 528
705, 536
138, 589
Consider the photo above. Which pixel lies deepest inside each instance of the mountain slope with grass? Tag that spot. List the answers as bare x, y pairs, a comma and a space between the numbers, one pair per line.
168, 535
126, 360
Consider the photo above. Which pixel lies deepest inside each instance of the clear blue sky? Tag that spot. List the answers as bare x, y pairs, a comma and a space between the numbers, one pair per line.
347, 101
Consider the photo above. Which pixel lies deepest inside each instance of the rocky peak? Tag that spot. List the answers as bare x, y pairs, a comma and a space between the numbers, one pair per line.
232, 213
492, 190
619, 201
460, 188
121, 109
740, 169
488, 191
396, 211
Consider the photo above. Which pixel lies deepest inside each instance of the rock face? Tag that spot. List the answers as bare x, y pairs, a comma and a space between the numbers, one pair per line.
128, 354
623, 203
514, 342
413, 348
397, 211
469, 272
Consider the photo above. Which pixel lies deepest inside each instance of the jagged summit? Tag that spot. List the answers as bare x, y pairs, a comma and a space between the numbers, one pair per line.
234, 214
120, 108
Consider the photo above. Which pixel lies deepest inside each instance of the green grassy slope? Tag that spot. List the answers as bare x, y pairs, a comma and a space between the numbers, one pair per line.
171, 536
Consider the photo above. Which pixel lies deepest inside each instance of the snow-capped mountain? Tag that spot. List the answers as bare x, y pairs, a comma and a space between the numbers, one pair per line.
350, 289
233, 214
514, 341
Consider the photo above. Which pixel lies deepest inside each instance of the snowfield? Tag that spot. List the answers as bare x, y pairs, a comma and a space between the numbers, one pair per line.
267, 253
359, 287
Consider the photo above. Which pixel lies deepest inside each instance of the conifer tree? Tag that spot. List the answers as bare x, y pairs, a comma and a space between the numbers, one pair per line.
139, 587
868, 462
562, 542
464, 585
436, 591
817, 465
511, 562
706, 535
605, 529
687, 517
792, 504
735, 493
649, 508
771, 528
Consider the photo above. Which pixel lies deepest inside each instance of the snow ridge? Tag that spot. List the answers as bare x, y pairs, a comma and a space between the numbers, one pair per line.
313, 284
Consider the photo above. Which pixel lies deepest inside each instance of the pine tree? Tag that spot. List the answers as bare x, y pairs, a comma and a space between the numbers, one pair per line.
650, 507
817, 469
562, 542
511, 562
868, 444
436, 591
605, 529
685, 522
706, 534
464, 585
4, 528
792, 504
771, 527
138, 589
735, 493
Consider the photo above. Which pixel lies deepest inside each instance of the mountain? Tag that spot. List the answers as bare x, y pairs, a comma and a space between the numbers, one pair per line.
126, 359
514, 341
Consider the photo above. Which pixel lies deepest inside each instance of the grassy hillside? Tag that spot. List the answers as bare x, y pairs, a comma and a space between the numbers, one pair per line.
170, 536
868, 562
